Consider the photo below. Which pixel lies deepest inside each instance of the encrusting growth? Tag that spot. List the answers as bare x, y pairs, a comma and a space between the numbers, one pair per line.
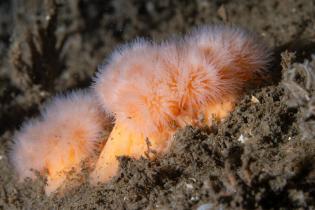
154, 89
66, 133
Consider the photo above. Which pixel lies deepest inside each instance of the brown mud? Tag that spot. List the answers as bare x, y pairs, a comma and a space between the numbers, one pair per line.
261, 157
